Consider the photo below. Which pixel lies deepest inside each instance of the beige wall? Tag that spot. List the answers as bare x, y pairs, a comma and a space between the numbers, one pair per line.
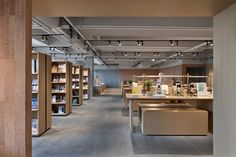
225, 83
174, 70
127, 74
98, 8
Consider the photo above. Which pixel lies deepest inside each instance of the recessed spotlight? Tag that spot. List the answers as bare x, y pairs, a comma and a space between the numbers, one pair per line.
119, 43
109, 43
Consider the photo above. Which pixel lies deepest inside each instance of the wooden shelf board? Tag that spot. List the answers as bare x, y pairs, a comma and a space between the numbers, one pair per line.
59, 92
57, 114
35, 110
58, 82
58, 103
58, 73
35, 92
75, 96
35, 73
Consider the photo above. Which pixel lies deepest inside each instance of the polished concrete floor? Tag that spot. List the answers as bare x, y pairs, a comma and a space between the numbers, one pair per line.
99, 128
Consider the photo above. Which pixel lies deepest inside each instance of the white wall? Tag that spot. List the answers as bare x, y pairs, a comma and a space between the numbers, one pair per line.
225, 83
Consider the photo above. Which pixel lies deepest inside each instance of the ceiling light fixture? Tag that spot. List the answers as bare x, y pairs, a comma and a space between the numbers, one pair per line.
153, 60
109, 43
139, 54
177, 42
140, 43
119, 43
126, 54
172, 43
42, 39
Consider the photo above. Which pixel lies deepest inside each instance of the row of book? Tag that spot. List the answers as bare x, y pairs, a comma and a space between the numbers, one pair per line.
75, 70
58, 110
34, 103
34, 66
34, 85
58, 99
59, 68
58, 78
58, 88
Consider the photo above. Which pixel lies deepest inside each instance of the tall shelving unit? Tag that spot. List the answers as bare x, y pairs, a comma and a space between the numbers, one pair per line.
41, 104
61, 88
86, 83
77, 85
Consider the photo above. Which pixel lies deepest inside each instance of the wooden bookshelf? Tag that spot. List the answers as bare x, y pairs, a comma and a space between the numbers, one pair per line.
77, 85
41, 106
61, 88
86, 83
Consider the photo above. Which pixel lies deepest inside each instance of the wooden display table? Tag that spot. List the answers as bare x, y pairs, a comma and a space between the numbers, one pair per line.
132, 102
98, 89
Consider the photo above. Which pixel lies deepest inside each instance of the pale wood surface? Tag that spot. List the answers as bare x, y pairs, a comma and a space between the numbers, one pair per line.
15, 78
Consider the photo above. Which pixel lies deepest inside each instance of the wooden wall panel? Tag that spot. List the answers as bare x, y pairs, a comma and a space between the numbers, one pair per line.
15, 77
127, 74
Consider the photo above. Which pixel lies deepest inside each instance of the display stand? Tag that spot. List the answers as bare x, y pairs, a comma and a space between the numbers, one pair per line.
77, 85
61, 88
86, 83
41, 98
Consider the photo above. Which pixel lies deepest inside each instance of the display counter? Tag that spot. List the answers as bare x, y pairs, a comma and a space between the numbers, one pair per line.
98, 89
132, 102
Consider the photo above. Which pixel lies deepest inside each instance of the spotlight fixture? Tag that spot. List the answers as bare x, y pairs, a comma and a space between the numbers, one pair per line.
180, 54
211, 43
140, 43
54, 49
153, 60
172, 43
116, 59
131, 60
78, 37
177, 42
42, 39
126, 54
50, 48
139, 54
164, 59
113, 53
109, 43
46, 38
119, 43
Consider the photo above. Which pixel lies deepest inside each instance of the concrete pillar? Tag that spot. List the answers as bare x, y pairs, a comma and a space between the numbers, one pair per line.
225, 83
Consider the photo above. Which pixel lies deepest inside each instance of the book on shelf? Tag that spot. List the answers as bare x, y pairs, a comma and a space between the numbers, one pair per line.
34, 85
58, 99
85, 96
35, 103
34, 126
74, 101
75, 70
34, 66
85, 73
60, 78
61, 110
59, 68
58, 88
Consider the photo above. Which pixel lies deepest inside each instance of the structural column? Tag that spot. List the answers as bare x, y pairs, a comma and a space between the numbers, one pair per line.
224, 83
15, 78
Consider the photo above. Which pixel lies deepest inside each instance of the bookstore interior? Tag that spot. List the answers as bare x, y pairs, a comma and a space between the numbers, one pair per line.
164, 87
124, 86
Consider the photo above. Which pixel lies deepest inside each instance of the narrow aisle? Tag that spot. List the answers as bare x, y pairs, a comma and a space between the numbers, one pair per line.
95, 129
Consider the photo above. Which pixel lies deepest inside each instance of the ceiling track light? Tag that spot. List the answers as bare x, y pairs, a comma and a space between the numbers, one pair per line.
126, 54
140, 43
119, 43
172, 43
177, 43
78, 36
109, 42
139, 54
42, 38
153, 59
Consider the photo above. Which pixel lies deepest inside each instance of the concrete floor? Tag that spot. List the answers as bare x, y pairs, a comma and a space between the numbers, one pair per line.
98, 129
